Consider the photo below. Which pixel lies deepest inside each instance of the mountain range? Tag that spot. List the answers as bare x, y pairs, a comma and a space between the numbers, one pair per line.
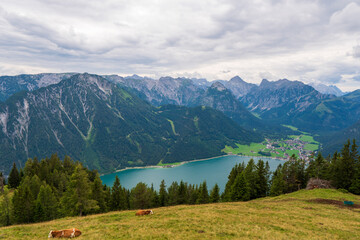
110, 122
107, 128
331, 89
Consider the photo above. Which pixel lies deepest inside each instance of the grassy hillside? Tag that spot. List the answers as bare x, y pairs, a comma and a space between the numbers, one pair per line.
298, 215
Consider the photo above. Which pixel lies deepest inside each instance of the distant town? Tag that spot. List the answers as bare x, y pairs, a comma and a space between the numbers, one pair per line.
302, 146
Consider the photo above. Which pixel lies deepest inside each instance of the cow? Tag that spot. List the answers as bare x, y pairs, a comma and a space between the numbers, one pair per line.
143, 212
67, 233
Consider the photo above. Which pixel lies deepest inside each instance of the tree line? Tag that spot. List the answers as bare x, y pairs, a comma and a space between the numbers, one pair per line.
51, 188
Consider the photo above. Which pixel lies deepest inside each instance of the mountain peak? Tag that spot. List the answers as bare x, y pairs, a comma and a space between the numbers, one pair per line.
134, 76
218, 86
325, 89
86, 79
237, 79
264, 82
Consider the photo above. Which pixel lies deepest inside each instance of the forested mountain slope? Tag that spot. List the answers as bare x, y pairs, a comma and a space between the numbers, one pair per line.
106, 127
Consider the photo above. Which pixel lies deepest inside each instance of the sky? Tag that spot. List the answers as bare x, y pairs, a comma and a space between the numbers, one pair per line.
306, 40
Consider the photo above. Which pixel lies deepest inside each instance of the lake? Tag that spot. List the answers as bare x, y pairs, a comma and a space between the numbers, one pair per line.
215, 170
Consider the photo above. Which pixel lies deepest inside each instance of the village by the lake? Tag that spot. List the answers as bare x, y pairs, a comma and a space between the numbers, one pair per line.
302, 146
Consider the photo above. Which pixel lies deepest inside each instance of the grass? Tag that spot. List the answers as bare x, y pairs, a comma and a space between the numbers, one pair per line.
307, 138
291, 152
251, 149
166, 164
311, 147
196, 122
289, 216
172, 126
256, 115
291, 127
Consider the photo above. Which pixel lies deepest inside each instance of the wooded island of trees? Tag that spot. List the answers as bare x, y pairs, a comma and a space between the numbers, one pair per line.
51, 188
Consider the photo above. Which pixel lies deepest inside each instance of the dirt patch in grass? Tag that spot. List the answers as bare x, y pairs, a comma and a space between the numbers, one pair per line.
333, 202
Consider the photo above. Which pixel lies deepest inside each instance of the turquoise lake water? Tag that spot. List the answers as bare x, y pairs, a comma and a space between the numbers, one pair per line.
215, 170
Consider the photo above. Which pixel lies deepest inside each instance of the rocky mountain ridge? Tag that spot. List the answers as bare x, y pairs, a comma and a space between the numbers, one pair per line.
106, 127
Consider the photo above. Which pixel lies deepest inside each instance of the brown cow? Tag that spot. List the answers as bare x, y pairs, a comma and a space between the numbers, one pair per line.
143, 212
67, 233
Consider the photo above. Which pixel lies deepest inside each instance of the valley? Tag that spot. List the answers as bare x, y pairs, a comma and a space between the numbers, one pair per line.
111, 122
302, 146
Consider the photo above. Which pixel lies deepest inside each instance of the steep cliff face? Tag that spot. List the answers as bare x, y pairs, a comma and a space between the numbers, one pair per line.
13, 84
59, 118
188, 92
217, 96
332, 89
332, 114
106, 127
291, 95
166, 90
239, 87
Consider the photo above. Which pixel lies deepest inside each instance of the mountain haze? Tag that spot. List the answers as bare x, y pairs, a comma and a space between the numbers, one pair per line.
332, 89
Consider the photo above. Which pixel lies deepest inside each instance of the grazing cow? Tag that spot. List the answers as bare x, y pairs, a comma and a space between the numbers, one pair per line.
144, 212
67, 233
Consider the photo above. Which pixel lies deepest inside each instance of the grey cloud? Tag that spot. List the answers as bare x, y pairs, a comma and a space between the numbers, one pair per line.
357, 78
160, 37
356, 51
347, 18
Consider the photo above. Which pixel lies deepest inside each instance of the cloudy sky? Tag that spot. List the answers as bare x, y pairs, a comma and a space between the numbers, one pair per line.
311, 41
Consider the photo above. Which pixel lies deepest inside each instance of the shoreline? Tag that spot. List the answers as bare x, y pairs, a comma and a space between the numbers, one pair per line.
170, 164
184, 162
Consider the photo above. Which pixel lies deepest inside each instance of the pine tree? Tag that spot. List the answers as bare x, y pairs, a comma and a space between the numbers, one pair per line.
154, 199
237, 169
32, 167
46, 205
215, 194
77, 199
107, 197
355, 183
345, 168
193, 193
203, 194
354, 152
317, 168
115, 195
163, 194
34, 186
173, 193
240, 189
251, 178
23, 203
2, 183
182, 191
118, 196
294, 174
261, 179
98, 194
277, 182
140, 196
14, 177
6, 208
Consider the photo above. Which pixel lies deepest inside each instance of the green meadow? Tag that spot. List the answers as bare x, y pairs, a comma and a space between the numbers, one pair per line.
306, 214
